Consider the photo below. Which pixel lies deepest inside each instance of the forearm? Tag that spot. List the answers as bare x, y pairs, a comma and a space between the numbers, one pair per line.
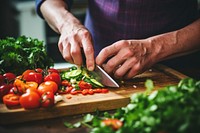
177, 43
56, 14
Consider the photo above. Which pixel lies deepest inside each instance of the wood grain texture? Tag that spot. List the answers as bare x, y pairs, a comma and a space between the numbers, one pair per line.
79, 104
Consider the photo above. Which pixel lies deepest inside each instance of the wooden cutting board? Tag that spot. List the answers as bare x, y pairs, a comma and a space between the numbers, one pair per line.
78, 104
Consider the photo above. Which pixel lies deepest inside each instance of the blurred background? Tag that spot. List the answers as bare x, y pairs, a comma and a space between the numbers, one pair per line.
18, 17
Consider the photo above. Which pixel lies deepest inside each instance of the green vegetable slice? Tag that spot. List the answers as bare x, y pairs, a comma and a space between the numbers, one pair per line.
72, 74
97, 83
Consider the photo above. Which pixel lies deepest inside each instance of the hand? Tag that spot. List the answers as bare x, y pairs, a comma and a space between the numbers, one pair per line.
127, 58
75, 37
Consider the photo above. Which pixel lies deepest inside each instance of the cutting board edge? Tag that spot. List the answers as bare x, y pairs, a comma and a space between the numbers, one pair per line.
170, 71
8, 118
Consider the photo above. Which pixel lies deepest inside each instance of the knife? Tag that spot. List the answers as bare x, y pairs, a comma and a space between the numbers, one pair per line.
103, 77
100, 75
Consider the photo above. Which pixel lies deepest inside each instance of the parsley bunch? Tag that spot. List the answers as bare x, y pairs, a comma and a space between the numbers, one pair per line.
17, 55
172, 109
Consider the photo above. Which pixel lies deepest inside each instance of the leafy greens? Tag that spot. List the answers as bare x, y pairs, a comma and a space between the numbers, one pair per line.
17, 55
172, 109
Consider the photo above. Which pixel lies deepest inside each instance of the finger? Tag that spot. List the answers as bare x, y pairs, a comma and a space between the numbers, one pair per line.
128, 68
60, 47
66, 53
113, 63
133, 72
75, 52
106, 53
122, 55
89, 52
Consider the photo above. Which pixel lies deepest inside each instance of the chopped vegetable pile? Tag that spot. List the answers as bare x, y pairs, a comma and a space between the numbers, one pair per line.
17, 55
173, 109
79, 80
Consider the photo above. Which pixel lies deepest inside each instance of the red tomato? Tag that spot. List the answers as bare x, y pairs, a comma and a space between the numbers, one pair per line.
25, 73
30, 100
31, 75
10, 77
114, 123
47, 86
51, 70
39, 70
5, 89
53, 77
47, 99
11, 100
84, 85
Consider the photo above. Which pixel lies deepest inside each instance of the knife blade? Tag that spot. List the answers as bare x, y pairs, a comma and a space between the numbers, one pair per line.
101, 75
104, 78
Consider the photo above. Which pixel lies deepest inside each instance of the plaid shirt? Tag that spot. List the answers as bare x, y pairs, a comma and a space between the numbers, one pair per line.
113, 20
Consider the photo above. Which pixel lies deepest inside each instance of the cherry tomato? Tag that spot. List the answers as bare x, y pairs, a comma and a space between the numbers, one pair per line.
31, 75
84, 85
53, 77
10, 77
47, 99
47, 86
114, 123
5, 89
30, 100
11, 100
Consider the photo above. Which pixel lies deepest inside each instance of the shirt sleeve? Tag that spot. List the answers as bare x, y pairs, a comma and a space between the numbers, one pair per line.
39, 3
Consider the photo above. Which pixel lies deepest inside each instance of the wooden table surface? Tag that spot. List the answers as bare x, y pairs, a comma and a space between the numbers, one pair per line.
56, 125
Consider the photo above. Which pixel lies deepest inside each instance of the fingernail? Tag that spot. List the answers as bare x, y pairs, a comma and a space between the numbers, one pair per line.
90, 68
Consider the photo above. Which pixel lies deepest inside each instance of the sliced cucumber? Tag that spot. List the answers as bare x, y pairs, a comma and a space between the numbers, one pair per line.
72, 74
84, 73
81, 73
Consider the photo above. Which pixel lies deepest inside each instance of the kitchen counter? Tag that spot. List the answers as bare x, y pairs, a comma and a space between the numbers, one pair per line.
56, 125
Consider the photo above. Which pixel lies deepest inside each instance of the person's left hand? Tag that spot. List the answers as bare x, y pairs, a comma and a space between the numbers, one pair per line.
127, 58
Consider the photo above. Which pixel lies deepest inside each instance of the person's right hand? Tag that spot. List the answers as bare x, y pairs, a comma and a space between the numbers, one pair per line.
74, 41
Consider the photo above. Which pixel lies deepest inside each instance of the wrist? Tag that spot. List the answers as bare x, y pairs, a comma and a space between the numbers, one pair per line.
67, 22
165, 45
